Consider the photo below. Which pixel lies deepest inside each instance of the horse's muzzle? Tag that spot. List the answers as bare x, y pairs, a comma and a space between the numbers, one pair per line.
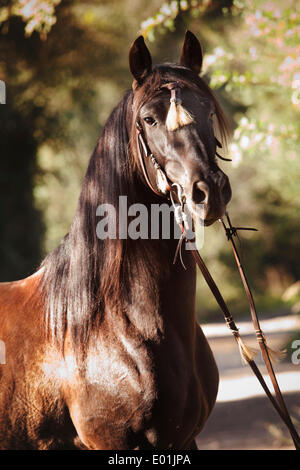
213, 194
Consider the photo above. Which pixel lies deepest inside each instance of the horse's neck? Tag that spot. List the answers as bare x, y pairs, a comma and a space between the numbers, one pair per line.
161, 293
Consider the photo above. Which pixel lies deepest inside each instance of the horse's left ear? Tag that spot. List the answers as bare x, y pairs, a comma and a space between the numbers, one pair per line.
191, 55
140, 61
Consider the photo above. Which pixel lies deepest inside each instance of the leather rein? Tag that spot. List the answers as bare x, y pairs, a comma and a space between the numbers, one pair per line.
277, 401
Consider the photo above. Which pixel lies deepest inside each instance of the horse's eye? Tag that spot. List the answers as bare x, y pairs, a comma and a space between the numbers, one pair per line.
149, 120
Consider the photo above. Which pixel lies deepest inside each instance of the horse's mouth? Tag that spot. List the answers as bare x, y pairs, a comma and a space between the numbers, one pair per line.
198, 213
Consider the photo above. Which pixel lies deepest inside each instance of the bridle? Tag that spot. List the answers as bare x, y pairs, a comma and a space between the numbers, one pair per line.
277, 401
142, 146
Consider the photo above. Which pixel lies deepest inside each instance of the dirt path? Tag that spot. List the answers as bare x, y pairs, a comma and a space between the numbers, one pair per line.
243, 418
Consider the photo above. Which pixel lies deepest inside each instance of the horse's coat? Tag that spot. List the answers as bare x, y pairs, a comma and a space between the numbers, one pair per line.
103, 350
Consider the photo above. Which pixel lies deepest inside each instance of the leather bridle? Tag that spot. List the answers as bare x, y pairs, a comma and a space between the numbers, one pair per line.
175, 90
142, 145
277, 401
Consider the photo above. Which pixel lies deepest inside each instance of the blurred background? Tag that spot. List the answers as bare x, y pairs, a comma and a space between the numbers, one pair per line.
65, 66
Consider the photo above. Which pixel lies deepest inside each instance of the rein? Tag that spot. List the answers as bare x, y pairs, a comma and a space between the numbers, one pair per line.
246, 353
230, 231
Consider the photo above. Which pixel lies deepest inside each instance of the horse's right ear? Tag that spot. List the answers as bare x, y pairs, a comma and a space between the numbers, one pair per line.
140, 61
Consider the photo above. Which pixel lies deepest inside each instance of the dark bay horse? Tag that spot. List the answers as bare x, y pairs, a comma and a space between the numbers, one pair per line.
103, 350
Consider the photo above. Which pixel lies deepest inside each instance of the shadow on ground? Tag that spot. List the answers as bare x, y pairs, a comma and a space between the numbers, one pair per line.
248, 424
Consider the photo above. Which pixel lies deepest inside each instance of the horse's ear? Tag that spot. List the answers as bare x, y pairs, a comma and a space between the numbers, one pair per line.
140, 61
191, 55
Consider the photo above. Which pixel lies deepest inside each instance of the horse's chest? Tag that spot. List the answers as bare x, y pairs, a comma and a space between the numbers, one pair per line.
119, 384
130, 397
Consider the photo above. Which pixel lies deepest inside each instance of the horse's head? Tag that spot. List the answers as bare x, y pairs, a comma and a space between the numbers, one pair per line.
174, 110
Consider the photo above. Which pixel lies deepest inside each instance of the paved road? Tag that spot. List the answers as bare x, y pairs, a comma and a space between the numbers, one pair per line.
243, 418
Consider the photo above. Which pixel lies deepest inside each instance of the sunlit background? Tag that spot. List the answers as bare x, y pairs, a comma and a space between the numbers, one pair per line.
65, 66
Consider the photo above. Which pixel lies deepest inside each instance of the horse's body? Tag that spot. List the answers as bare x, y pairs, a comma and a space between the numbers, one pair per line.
149, 379
126, 365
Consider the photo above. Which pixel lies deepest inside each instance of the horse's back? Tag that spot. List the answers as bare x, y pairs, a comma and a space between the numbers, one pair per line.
16, 295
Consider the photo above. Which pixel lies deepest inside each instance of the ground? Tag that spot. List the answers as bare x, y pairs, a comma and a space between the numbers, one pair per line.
243, 417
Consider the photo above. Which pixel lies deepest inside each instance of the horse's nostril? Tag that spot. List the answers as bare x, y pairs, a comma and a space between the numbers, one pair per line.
226, 191
200, 192
199, 196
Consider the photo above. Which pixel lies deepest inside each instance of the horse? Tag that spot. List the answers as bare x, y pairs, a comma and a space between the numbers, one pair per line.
103, 349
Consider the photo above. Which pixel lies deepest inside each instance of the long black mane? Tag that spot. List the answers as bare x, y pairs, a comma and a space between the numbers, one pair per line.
84, 274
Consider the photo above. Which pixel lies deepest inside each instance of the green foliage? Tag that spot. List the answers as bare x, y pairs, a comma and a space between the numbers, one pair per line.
165, 18
258, 67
